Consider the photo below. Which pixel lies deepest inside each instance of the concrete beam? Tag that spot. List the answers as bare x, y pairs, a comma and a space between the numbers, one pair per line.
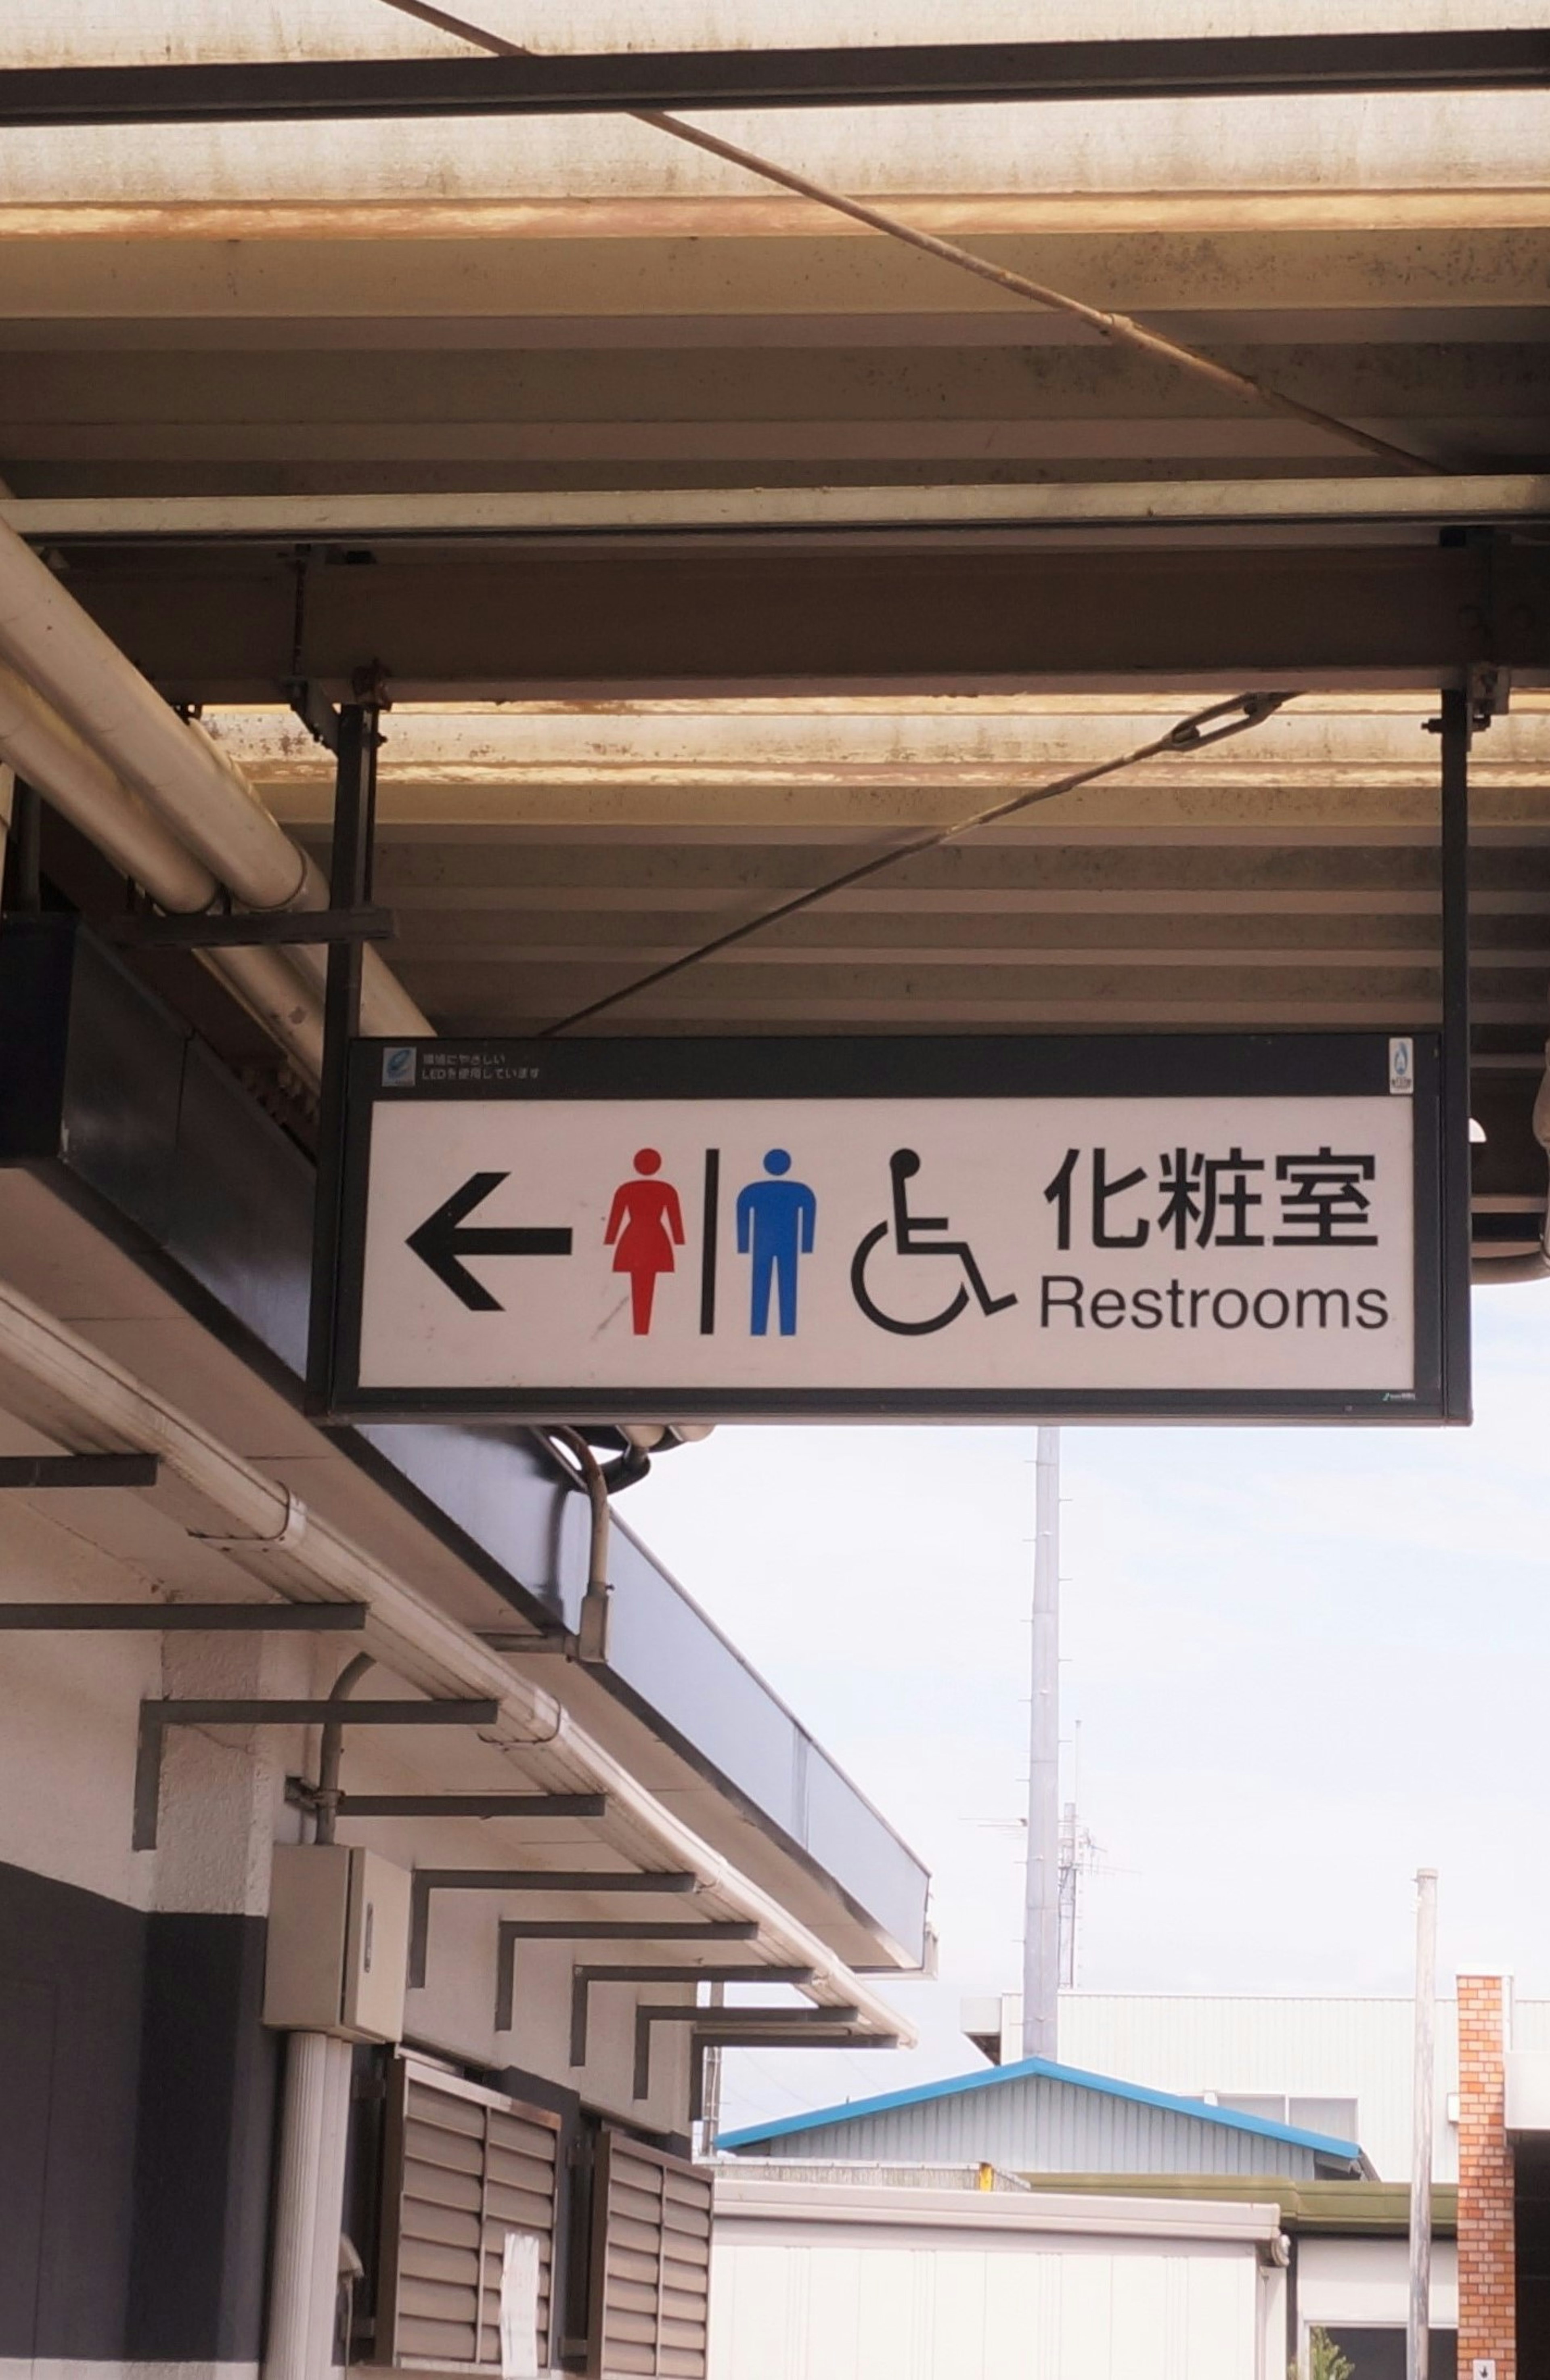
412, 212
413, 260
513, 622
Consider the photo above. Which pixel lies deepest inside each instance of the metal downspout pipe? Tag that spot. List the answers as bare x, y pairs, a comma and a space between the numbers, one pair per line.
330, 1753
173, 765
314, 2136
596, 1603
309, 2208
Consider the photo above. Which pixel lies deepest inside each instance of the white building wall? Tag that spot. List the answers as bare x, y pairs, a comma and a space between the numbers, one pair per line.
69, 1713
1358, 2282
1328, 2048
841, 2301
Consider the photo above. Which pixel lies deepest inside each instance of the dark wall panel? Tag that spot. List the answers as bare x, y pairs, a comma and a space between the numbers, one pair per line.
29, 2019
137, 2092
207, 2099
71, 1975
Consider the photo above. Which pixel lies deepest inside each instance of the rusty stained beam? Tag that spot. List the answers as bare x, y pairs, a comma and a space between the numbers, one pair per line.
209, 624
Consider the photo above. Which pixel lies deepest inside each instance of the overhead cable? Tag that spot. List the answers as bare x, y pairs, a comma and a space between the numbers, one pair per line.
1212, 725
1121, 328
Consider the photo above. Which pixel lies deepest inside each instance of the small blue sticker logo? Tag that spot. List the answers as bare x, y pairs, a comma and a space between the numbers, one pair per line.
398, 1068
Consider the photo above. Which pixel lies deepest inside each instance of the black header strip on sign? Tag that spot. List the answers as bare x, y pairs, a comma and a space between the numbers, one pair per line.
1117, 1065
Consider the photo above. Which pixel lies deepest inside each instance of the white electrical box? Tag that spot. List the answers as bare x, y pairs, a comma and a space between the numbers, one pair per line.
338, 1949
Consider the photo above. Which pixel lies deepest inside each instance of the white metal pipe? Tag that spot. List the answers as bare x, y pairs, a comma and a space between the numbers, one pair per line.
1477, 498
185, 779
309, 2208
49, 753
70, 1389
1418, 2335
1041, 1905
45, 749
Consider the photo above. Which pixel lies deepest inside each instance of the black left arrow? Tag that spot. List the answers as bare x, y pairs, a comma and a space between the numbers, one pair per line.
441, 1242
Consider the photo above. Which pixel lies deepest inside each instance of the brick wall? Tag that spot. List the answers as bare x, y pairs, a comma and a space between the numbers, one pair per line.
1487, 2263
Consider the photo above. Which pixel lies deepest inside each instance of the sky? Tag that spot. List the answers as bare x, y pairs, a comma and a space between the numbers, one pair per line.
1303, 1662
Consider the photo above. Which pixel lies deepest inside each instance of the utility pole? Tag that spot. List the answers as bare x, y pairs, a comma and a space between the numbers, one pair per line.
1419, 2328
1041, 1919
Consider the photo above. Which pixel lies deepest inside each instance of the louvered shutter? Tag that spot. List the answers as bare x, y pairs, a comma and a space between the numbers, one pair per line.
650, 2274
464, 2167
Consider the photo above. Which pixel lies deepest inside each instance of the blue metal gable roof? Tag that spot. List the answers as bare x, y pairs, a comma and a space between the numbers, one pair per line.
1028, 2068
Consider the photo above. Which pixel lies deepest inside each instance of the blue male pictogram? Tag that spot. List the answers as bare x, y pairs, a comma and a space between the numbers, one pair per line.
775, 1222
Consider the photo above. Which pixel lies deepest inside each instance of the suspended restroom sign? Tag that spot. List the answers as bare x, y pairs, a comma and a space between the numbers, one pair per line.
1219, 1226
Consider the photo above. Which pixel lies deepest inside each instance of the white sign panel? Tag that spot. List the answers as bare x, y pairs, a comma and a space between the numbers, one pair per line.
660, 1253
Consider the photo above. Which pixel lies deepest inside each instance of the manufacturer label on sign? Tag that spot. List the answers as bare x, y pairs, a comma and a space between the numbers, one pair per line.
636, 1229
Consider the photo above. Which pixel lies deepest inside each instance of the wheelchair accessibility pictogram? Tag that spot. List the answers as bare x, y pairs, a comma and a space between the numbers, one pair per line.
911, 1238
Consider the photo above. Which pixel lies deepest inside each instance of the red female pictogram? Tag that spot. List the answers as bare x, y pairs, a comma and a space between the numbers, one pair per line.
644, 1224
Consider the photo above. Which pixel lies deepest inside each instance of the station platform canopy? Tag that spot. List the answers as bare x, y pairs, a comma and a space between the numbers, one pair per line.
710, 540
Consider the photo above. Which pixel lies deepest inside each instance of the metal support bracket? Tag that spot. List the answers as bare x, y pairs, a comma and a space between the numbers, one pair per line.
702, 2043
758, 2025
177, 1619
583, 1979
315, 712
514, 1639
427, 1880
1457, 1164
155, 1717
228, 929
512, 1930
80, 1470
350, 879
1490, 693
473, 1806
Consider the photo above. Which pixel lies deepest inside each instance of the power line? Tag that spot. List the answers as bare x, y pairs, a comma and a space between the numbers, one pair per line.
1213, 725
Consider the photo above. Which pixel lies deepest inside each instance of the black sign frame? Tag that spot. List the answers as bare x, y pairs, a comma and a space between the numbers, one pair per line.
1100, 1066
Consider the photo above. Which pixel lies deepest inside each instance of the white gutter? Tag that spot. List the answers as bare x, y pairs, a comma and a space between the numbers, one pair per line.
173, 765
71, 1391
1057, 505
48, 753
